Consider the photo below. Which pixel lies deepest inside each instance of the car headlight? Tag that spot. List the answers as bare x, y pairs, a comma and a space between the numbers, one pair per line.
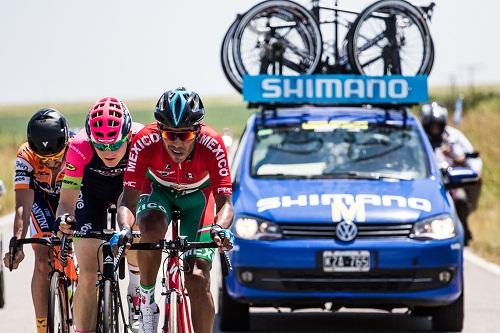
440, 227
251, 228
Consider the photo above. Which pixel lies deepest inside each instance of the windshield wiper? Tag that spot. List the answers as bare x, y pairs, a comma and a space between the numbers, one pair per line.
364, 175
284, 176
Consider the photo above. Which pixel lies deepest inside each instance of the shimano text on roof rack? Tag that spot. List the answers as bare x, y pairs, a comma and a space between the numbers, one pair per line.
346, 89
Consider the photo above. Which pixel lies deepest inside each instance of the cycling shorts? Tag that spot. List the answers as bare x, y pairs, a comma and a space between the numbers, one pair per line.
196, 214
92, 212
43, 214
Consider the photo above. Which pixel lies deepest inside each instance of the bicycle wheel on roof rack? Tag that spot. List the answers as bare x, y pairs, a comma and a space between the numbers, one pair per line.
390, 37
226, 57
277, 37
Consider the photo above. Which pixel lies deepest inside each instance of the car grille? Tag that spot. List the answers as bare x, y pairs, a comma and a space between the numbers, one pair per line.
316, 280
365, 230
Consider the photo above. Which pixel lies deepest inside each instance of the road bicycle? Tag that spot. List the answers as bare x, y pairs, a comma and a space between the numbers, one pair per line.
109, 304
177, 313
110, 308
388, 37
63, 279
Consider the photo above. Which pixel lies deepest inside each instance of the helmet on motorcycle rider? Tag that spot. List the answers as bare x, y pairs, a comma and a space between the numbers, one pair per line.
108, 121
179, 108
47, 132
433, 117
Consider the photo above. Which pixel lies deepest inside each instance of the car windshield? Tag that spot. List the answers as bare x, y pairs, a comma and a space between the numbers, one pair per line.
339, 149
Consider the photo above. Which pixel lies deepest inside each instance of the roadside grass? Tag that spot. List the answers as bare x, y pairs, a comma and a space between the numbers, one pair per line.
480, 124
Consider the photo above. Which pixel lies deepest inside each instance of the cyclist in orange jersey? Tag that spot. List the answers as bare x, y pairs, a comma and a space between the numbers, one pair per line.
38, 177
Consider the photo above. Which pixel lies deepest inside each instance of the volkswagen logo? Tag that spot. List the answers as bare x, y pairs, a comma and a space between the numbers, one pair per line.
346, 231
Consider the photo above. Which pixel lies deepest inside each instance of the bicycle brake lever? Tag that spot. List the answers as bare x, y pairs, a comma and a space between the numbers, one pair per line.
225, 264
64, 253
12, 251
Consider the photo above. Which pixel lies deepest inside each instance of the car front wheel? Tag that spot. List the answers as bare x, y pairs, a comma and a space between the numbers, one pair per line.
234, 316
449, 318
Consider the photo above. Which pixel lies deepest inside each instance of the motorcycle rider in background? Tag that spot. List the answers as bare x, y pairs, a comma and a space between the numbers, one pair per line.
453, 149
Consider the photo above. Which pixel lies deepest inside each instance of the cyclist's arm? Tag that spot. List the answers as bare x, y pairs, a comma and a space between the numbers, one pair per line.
24, 202
67, 201
224, 209
126, 207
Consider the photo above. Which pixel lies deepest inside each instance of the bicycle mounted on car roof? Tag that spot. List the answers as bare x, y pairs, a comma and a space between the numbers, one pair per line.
283, 37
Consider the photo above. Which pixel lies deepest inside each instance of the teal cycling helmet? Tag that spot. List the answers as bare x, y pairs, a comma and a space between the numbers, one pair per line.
179, 108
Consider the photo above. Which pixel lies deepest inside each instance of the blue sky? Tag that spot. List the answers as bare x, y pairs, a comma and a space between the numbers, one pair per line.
68, 50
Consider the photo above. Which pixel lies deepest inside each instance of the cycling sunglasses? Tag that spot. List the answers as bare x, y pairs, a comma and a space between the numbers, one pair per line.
111, 147
173, 135
53, 157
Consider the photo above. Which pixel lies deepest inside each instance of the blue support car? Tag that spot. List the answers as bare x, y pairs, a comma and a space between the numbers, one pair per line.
343, 205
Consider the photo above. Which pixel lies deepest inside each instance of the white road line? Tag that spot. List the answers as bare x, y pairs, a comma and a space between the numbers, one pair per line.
474, 259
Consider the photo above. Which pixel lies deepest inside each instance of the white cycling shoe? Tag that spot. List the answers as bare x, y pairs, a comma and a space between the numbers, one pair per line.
134, 312
149, 317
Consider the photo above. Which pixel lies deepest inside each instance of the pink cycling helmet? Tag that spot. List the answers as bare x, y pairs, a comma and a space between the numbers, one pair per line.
108, 121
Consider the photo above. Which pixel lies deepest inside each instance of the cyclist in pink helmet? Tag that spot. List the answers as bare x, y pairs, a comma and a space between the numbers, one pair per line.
108, 121
95, 166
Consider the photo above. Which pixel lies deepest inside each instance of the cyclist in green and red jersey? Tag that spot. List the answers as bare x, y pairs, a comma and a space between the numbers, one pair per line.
178, 163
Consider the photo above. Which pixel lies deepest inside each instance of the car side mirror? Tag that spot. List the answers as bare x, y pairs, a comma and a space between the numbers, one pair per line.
459, 177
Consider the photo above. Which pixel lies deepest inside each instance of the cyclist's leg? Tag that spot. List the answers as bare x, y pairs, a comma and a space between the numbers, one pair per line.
42, 219
90, 214
152, 212
197, 215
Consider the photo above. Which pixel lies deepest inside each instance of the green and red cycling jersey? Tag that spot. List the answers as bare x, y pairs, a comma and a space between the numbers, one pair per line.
206, 166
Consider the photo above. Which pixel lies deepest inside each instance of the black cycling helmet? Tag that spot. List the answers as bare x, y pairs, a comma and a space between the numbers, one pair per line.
179, 108
433, 114
47, 132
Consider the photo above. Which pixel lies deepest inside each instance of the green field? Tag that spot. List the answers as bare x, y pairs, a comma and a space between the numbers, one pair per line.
480, 124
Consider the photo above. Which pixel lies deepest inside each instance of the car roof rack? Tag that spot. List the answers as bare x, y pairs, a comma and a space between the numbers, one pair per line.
270, 110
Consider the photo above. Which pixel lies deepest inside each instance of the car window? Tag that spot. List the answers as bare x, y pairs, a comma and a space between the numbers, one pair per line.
329, 149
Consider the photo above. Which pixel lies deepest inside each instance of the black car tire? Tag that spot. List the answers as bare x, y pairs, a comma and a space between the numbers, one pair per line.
234, 316
449, 318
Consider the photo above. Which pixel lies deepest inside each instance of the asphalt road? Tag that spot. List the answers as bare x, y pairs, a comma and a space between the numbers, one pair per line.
482, 306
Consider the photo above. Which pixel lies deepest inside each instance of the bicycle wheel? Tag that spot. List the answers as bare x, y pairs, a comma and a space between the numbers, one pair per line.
110, 309
277, 37
2, 298
57, 316
390, 37
226, 57
173, 319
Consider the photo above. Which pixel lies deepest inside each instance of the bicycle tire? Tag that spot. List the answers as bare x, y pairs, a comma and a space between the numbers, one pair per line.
2, 288
299, 47
110, 309
173, 319
226, 58
57, 316
409, 16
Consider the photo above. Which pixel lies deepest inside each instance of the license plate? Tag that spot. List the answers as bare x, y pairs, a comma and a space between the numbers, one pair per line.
346, 261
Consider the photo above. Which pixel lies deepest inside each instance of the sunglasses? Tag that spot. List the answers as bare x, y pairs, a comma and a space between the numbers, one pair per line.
111, 147
173, 135
183, 136
54, 157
